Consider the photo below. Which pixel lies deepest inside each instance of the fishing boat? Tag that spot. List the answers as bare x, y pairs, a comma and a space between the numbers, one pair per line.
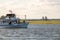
11, 21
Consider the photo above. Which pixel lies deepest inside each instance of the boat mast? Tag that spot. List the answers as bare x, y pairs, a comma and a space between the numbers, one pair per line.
25, 18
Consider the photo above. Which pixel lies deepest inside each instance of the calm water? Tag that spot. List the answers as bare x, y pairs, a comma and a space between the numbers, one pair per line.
33, 32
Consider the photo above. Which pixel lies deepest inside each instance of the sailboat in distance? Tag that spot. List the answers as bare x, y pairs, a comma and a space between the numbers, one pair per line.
11, 21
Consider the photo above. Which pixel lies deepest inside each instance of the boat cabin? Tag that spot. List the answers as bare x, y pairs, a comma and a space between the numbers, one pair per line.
10, 15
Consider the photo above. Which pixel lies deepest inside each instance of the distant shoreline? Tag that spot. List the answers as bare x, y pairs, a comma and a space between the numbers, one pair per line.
40, 21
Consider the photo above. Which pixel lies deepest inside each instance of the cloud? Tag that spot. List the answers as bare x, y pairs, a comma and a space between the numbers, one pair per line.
6, 2
53, 0
33, 8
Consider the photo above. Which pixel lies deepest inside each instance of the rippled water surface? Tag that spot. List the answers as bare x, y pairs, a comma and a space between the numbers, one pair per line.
33, 32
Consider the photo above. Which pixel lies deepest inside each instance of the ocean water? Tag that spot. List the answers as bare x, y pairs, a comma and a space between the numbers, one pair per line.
33, 32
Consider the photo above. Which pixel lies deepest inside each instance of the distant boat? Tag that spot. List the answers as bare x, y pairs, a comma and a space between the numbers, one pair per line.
11, 21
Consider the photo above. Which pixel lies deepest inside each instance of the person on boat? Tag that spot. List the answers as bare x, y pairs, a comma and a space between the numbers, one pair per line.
18, 21
10, 23
24, 21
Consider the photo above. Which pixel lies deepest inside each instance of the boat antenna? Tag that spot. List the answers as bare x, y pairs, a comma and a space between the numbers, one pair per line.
10, 11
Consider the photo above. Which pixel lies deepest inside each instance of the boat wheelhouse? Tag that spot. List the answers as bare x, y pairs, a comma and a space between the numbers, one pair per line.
12, 21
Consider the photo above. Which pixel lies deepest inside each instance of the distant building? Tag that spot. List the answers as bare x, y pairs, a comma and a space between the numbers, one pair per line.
42, 17
46, 18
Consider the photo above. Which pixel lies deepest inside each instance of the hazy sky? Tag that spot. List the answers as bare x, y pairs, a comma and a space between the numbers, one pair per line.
32, 8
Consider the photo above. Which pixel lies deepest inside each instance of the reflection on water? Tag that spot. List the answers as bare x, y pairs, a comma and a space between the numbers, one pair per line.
33, 32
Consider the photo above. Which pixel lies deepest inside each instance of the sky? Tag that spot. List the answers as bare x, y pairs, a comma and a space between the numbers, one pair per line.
33, 9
